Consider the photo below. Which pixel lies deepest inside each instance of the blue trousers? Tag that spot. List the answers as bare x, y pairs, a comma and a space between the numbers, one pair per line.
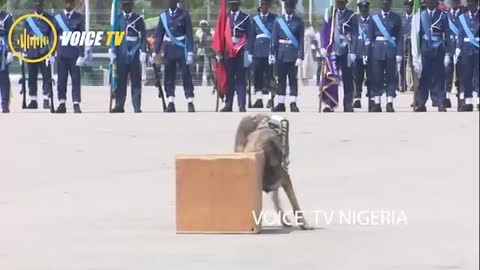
470, 74
432, 82
287, 70
347, 79
170, 75
68, 66
134, 71
33, 69
261, 71
236, 80
5, 87
384, 72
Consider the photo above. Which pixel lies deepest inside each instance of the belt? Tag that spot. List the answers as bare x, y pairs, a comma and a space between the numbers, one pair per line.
285, 41
262, 36
166, 38
468, 40
131, 38
384, 39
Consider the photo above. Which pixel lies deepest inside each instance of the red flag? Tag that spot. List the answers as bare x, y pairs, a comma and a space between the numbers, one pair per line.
218, 44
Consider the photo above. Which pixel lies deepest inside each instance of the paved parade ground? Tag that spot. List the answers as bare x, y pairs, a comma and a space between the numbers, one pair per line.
97, 191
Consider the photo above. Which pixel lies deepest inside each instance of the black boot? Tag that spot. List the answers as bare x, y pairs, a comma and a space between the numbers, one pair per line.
280, 108
447, 103
227, 108
461, 102
191, 107
293, 107
5, 110
327, 110
61, 108
377, 108
118, 109
46, 104
242, 109
258, 104
269, 104
171, 107
442, 109
421, 109
357, 104
76, 108
467, 108
348, 109
33, 105
390, 107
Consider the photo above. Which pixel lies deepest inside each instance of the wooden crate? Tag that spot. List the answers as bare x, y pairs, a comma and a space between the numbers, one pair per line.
217, 193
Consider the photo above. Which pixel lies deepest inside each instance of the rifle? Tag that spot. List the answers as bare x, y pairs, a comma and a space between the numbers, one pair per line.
52, 83
160, 89
272, 85
249, 73
320, 96
24, 87
220, 96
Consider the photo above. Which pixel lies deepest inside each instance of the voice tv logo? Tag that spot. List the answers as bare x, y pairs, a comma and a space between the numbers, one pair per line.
91, 38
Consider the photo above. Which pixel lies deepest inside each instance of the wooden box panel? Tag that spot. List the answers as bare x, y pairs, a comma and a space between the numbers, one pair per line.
217, 193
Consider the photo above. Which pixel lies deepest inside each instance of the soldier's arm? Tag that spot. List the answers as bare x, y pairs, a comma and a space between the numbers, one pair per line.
159, 34
8, 26
82, 28
301, 51
399, 37
461, 36
354, 28
251, 36
189, 33
143, 35
274, 42
446, 32
354, 45
370, 36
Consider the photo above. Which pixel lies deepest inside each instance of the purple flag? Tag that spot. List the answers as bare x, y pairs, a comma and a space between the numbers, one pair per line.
329, 85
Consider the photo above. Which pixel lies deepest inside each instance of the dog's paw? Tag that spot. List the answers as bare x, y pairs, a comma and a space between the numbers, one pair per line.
304, 226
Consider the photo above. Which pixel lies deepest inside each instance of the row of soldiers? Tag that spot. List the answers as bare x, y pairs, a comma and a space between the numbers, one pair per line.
375, 49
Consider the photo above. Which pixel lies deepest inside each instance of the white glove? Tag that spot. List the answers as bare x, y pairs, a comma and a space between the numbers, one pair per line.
399, 59
418, 69
271, 60
353, 57
143, 57
111, 55
446, 61
456, 56
365, 60
9, 58
219, 58
298, 62
50, 60
323, 52
152, 59
190, 58
80, 61
250, 59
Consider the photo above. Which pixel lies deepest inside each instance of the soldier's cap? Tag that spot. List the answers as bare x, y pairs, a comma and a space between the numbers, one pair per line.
203, 22
408, 3
234, 1
291, 3
38, 2
363, 3
267, 2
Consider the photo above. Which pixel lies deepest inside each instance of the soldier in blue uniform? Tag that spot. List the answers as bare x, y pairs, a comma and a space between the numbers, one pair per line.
468, 52
386, 35
6, 57
259, 48
69, 58
234, 58
38, 27
175, 33
288, 53
361, 44
434, 38
407, 51
130, 56
454, 25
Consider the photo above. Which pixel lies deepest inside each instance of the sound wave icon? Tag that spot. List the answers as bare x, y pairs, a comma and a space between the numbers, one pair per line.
26, 41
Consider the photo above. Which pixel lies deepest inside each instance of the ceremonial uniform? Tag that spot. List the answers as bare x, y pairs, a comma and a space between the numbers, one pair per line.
69, 59
6, 56
361, 47
259, 48
346, 29
386, 35
130, 56
174, 33
434, 38
240, 26
454, 26
468, 48
407, 50
38, 27
288, 51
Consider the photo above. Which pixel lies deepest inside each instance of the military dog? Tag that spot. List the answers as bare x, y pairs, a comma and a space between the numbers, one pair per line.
263, 133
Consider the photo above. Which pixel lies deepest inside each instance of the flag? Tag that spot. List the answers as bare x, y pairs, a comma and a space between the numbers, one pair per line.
218, 45
415, 34
329, 82
113, 27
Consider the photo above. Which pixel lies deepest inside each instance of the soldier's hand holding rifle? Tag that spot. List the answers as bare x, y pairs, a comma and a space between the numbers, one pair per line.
190, 58
271, 59
323, 52
143, 57
446, 60
111, 55
9, 58
456, 56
